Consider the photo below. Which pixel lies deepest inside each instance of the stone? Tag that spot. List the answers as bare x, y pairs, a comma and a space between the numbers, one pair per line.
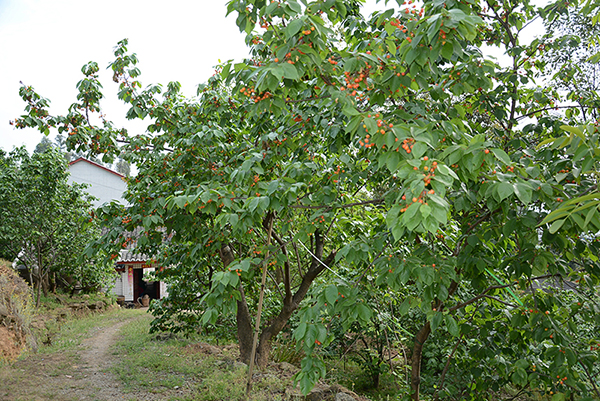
320, 392
344, 397
287, 367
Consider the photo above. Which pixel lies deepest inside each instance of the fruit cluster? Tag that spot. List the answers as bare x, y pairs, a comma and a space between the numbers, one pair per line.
256, 97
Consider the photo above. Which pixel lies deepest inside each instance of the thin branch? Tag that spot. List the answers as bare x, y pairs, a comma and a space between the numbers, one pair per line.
478, 297
528, 23
329, 207
471, 228
275, 282
591, 380
446, 367
308, 99
545, 109
367, 269
297, 258
286, 278
501, 301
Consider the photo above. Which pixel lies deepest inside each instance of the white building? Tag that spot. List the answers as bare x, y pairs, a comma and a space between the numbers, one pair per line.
104, 184
107, 186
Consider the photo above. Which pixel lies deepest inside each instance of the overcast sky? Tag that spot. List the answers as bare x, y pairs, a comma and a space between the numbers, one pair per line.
44, 43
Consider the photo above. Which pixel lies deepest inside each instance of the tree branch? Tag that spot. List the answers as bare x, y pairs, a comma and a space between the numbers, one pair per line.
326, 207
478, 297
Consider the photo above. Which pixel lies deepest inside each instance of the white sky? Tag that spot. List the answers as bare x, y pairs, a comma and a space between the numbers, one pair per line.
44, 43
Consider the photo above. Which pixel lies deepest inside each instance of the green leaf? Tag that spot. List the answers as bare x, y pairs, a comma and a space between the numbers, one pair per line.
331, 294
519, 377
180, 201
425, 210
289, 71
364, 312
556, 225
502, 156
419, 149
522, 363
448, 50
393, 158
300, 331
411, 211
571, 357
295, 6
574, 130
504, 190
436, 320
404, 307
293, 28
523, 192
252, 205
452, 325
233, 219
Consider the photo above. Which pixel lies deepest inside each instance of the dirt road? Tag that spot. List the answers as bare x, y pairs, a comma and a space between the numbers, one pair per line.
82, 374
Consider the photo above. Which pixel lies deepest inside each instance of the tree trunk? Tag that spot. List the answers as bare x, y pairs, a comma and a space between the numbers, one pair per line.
243, 318
290, 304
45, 284
415, 374
263, 351
53, 282
39, 291
244, 328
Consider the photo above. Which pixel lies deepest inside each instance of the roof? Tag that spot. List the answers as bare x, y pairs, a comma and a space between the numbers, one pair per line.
127, 255
83, 159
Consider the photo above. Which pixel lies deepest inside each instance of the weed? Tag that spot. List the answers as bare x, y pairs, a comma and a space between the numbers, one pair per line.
286, 350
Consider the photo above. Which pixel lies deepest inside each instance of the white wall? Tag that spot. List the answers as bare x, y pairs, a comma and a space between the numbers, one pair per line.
118, 287
103, 184
164, 291
127, 277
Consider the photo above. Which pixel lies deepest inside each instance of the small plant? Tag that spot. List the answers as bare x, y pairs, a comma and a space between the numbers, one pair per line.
286, 349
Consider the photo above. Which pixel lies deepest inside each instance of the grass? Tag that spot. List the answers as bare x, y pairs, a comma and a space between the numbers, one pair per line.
177, 370
72, 332
350, 375
42, 376
168, 366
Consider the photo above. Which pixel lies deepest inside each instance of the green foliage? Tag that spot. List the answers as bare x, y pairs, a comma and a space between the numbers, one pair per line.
388, 156
155, 365
286, 350
47, 223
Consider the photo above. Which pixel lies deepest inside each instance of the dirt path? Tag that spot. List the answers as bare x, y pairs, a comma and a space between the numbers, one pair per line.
80, 375
95, 381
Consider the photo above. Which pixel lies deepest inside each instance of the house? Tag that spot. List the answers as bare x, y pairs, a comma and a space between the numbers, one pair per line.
103, 183
107, 186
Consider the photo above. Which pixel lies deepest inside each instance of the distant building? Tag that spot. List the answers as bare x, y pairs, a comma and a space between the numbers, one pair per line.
103, 183
107, 185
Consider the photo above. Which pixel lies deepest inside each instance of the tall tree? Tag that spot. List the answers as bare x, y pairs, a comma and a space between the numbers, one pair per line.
45, 223
123, 167
43, 146
385, 149
570, 44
